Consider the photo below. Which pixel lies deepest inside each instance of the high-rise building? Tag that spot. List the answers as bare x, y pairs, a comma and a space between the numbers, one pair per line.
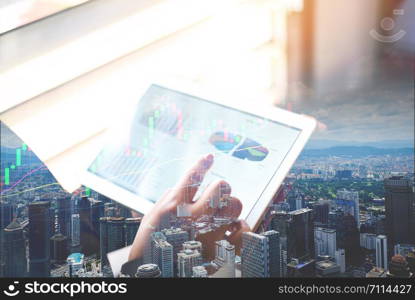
368, 241
381, 252
75, 230
340, 259
59, 249
39, 234
6, 214
186, 260
260, 254
325, 241
300, 237
162, 253
64, 212
225, 258
148, 271
348, 202
90, 210
279, 223
347, 236
399, 211
13, 251
176, 237
131, 228
321, 212
112, 236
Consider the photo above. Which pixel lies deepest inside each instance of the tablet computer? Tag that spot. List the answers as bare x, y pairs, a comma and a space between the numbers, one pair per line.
254, 147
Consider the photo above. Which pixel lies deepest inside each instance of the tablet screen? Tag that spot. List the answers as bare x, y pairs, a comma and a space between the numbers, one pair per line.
170, 131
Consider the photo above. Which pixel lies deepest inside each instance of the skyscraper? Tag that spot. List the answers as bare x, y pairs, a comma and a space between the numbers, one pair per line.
321, 212
112, 236
6, 214
162, 253
75, 230
186, 260
225, 258
64, 212
325, 241
90, 210
58, 248
193, 245
131, 228
260, 254
39, 234
13, 251
279, 223
381, 252
340, 259
348, 202
399, 211
300, 237
176, 237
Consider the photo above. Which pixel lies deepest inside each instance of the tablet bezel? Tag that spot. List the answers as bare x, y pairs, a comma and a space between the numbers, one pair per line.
305, 124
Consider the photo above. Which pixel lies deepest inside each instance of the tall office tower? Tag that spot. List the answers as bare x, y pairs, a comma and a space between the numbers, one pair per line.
274, 252
348, 239
13, 251
259, 257
399, 211
403, 249
399, 267
279, 223
112, 236
176, 237
64, 212
75, 230
193, 245
6, 214
325, 241
225, 258
300, 237
58, 248
381, 252
321, 212
148, 271
75, 263
348, 202
39, 234
340, 258
199, 272
186, 260
131, 228
368, 241
90, 210
162, 253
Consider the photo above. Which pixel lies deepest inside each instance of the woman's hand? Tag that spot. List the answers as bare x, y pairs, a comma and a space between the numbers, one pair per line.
183, 194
